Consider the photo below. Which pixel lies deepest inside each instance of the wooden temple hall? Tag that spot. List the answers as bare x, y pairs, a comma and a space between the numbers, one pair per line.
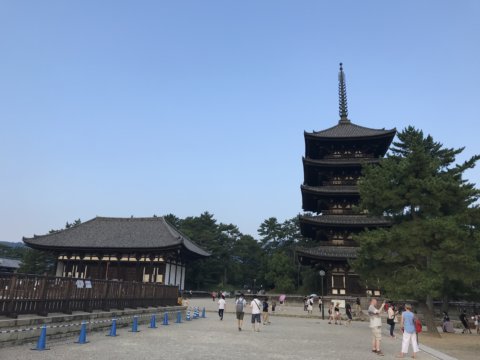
332, 165
129, 249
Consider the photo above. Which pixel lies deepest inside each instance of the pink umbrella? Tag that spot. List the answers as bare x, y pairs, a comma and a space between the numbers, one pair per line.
282, 297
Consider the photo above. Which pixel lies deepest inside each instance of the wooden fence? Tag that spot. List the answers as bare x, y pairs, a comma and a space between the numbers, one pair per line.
36, 294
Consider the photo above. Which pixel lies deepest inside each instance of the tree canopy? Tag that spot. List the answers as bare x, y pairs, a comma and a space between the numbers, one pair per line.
432, 249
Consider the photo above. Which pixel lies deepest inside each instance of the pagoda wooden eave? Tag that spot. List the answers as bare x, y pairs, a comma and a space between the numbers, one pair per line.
350, 162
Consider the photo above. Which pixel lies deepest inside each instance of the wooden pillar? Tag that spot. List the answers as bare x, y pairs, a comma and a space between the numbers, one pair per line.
99, 264
137, 268
176, 270
12, 288
43, 287
182, 276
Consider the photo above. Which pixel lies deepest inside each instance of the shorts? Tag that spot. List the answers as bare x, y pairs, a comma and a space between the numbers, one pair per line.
255, 317
240, 315
377, 333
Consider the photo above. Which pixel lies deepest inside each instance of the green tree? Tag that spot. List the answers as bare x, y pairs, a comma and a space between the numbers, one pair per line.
281, 273
433, 243
37, 262
248, 262
41, 262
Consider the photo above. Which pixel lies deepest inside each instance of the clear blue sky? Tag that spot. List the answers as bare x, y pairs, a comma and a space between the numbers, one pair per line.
119, 108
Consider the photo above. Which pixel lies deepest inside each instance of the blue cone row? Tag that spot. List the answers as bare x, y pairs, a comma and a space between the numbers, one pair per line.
113, 329
42, 340
82, 339
153, 322
165, 319
135, 324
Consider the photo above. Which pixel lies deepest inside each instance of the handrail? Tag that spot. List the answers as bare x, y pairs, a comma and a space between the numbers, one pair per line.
41, 294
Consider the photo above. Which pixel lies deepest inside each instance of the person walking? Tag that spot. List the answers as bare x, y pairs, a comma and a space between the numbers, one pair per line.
464, 320
409, 333
240, 310
331, 315
348, 312
274, 305
255, 305
358, 308
265, 319
310, 305
338, 317
221, 307
391, 313
476, 322
320, 304
376, 325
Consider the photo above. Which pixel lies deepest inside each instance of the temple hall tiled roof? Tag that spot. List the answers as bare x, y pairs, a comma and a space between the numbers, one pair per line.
329, 252
347, 129
10, 263
151, 234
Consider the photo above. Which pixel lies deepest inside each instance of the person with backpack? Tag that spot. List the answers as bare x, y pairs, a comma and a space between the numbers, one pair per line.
256, 305
409, 333
239, 310
266, 318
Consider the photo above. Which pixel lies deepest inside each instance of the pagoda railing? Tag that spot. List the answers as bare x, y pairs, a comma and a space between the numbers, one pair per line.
37, 294
348, 156
340, 183
338, 212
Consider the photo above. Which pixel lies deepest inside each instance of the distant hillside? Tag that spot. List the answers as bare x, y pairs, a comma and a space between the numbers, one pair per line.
12, 250
12, 244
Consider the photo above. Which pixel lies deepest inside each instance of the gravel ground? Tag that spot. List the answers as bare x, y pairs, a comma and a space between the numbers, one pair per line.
210, 338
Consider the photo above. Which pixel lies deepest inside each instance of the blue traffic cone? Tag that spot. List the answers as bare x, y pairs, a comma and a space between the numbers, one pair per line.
42, 340
203, 313
153, 322
82, 339
165, 319
113, 330
188, 316
135, 324
179, 317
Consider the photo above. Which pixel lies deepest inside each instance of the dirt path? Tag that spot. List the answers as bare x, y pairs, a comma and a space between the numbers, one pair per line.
462, 347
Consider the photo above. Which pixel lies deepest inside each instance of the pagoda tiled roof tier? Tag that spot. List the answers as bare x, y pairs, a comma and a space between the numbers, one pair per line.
330, 190
348, 130
350, 221
340, 162
118, 234
329, 252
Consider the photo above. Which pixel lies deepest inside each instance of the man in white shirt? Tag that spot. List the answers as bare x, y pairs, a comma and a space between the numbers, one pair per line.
376, 325
221, 307
256, 306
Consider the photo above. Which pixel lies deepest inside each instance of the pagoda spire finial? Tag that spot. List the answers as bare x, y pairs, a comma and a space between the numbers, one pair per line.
342, 94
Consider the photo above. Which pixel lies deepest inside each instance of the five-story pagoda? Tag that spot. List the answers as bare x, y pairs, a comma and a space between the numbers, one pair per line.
332, 165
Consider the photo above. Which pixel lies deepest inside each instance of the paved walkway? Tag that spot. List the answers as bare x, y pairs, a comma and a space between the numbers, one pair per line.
286, 338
